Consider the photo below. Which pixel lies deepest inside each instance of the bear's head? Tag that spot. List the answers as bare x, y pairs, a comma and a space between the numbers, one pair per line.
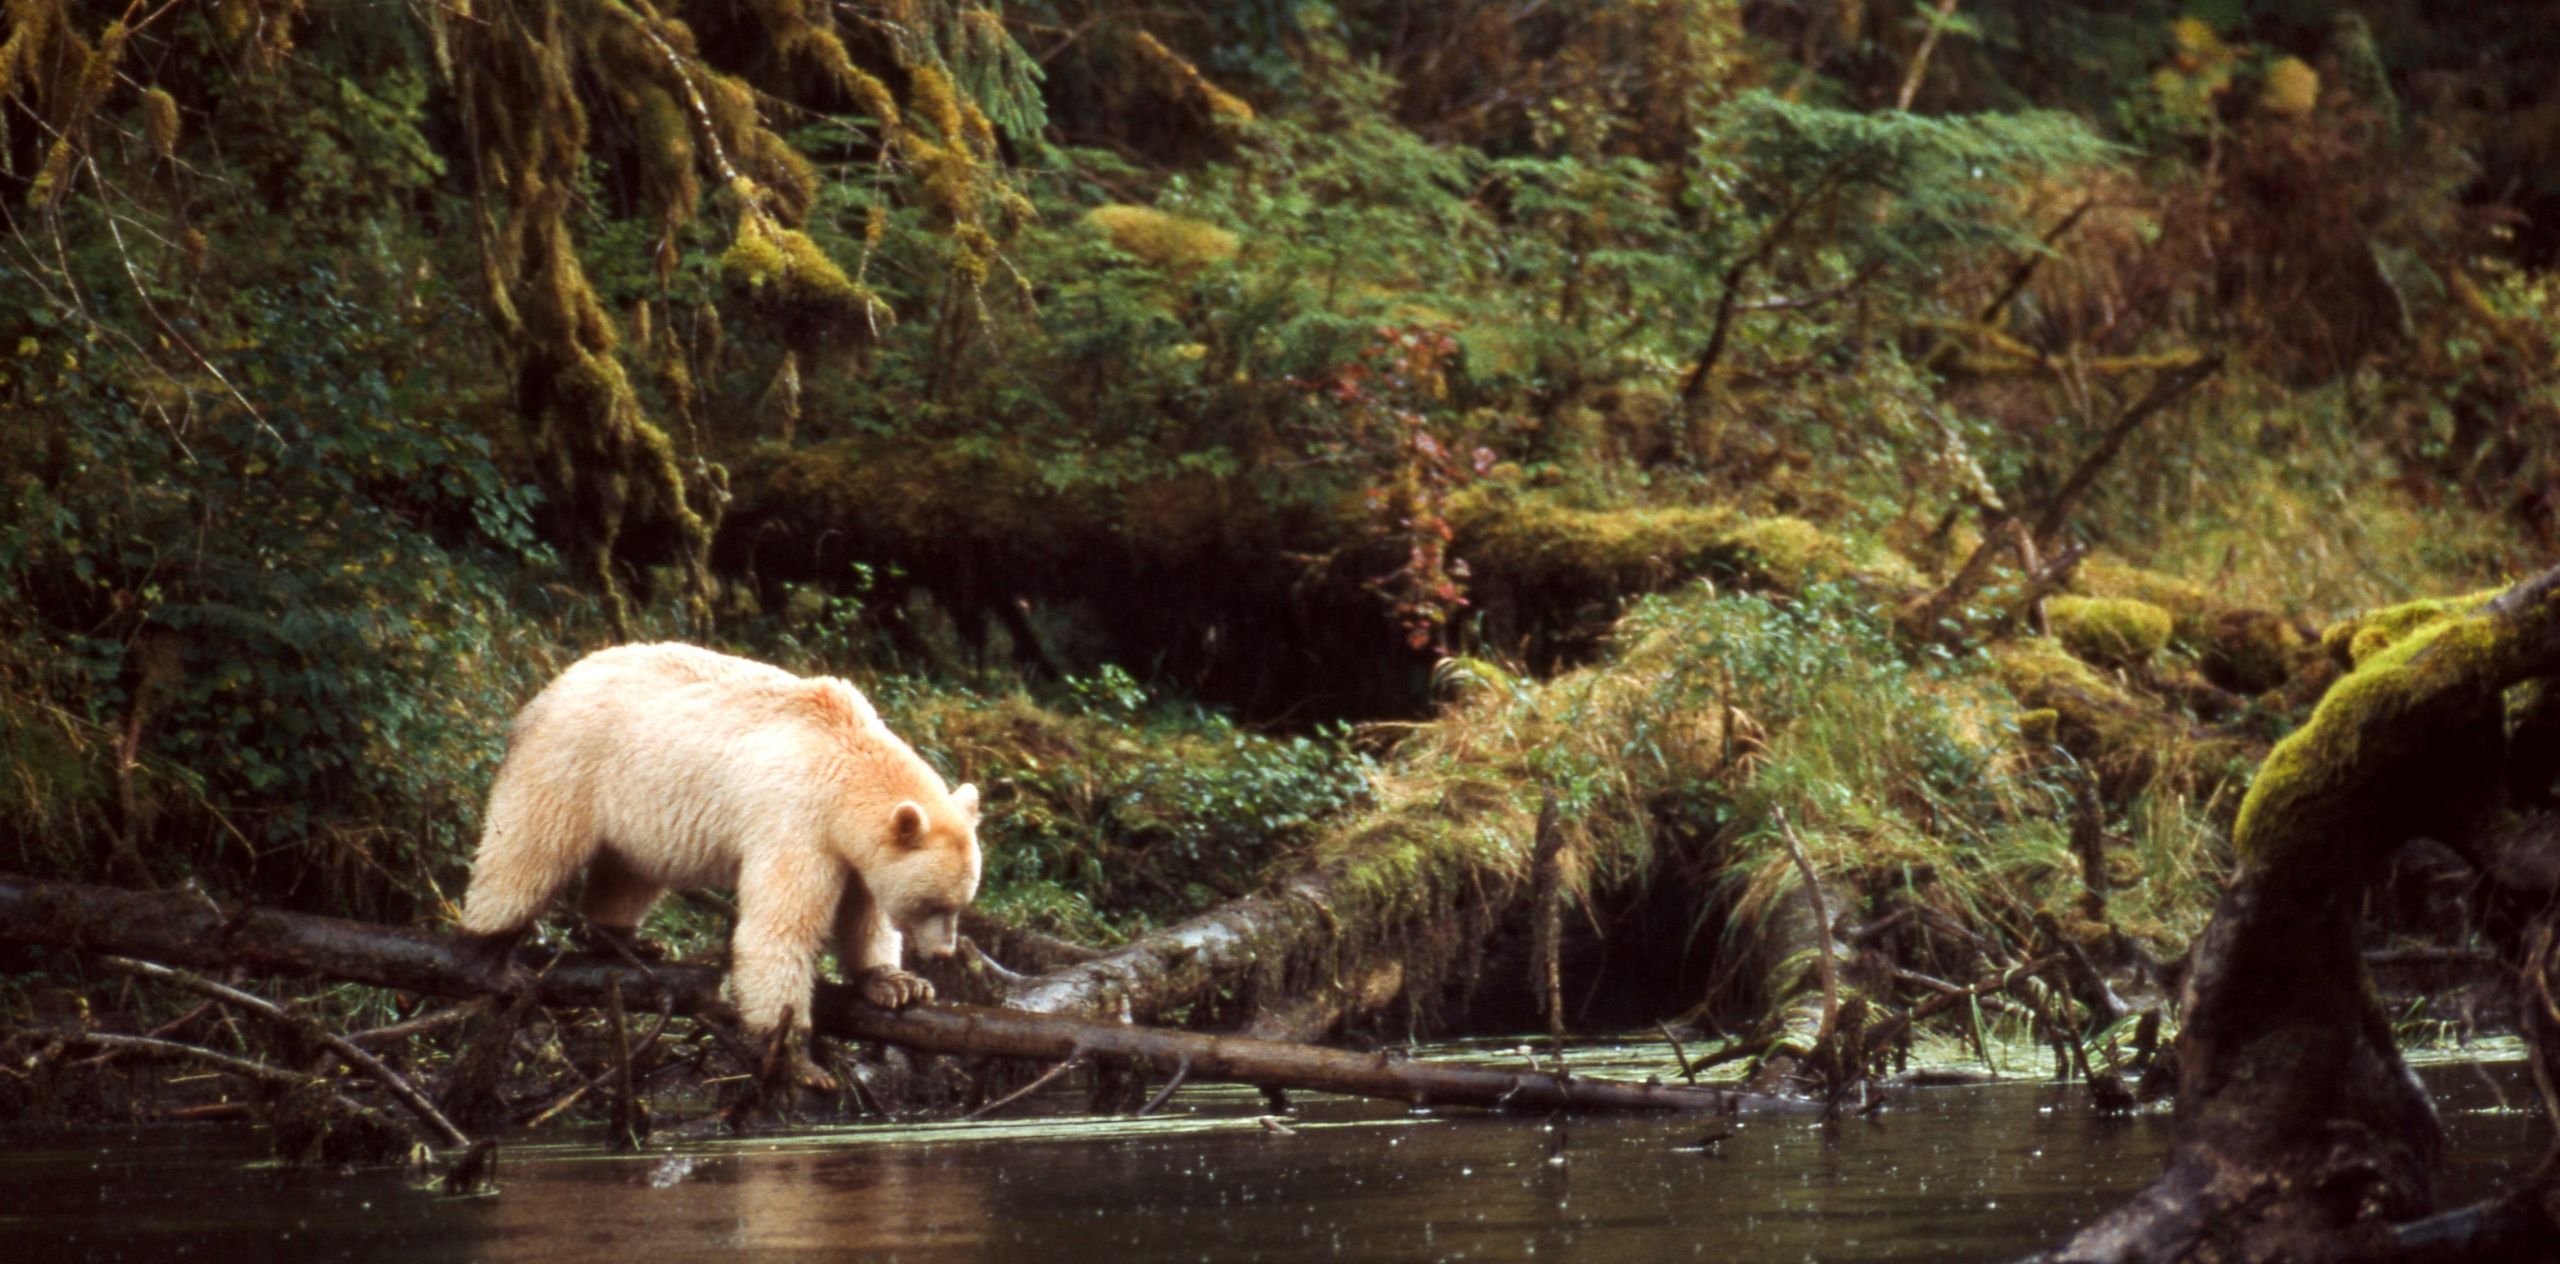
931, 871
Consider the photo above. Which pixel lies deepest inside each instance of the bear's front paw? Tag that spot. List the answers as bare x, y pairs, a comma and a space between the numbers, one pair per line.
892, 988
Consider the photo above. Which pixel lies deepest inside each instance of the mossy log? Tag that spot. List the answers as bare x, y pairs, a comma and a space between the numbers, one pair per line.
1392, 909
188, 928
2243, 649
2129, 741
2301, 1134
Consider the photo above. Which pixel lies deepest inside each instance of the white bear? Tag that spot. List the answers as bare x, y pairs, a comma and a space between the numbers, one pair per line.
665, 765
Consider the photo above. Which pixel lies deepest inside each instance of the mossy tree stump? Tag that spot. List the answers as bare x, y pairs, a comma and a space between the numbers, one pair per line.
2301, 1134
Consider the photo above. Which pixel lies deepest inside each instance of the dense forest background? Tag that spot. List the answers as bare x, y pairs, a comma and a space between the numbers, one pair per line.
1935, 447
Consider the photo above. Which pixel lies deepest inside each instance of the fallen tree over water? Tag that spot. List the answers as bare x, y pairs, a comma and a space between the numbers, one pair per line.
187, 928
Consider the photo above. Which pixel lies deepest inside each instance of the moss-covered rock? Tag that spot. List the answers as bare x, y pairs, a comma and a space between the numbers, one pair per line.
2109, 631
2242, 649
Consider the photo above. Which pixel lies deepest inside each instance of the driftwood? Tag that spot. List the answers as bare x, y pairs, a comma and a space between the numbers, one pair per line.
2301, 1135
188, 928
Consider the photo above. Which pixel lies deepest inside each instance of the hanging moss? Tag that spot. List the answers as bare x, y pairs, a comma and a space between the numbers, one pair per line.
1182, 81
97, 76
2109, 631
160, 121
668, 161
827, 311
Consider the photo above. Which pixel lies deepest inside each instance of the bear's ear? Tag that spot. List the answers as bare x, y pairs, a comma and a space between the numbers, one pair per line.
966, 799
908, 825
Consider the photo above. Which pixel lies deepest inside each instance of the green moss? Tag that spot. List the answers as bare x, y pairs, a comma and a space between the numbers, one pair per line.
2039, 727
782, 264
1792, 553
1174, 243
2322, 785
2109, 631
2190, 607
1538, 543
2410, 743
2131, 742
2355, 640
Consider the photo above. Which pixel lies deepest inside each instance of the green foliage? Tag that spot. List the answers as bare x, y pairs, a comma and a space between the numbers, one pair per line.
1906, 780
1899, 186
293, 609
1121, 811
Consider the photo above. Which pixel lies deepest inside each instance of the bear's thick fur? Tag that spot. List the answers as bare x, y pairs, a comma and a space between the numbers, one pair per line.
659, 766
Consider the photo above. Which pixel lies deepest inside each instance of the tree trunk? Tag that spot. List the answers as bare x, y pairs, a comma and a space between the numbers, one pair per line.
2301, 1134
188, 928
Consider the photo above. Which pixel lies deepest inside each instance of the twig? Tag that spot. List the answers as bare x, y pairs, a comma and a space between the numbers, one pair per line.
2165, 390
149, 1046
630, 1122
1546, 869
1822, 920
406, 1093
1072, 1061
1920, 59
561, 1103
1181, 1071
396, 1032
2026, 269
1688, 1071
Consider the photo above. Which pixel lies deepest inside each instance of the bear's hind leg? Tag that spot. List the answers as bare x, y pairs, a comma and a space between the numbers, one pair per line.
530, 845
617, 899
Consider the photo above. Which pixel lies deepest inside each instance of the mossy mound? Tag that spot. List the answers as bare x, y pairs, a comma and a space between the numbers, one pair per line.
2130, 741
2354, 641
2190, 607
1538, 542
2109, 631
1175, 243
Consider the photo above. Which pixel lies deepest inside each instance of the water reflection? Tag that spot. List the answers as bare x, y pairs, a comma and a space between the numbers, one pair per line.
1955, 1174
904, 1202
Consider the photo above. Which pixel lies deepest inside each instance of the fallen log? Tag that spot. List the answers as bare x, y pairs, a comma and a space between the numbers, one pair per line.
185, 927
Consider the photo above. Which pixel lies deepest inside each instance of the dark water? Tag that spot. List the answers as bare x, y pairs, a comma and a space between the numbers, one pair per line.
1948, 1174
